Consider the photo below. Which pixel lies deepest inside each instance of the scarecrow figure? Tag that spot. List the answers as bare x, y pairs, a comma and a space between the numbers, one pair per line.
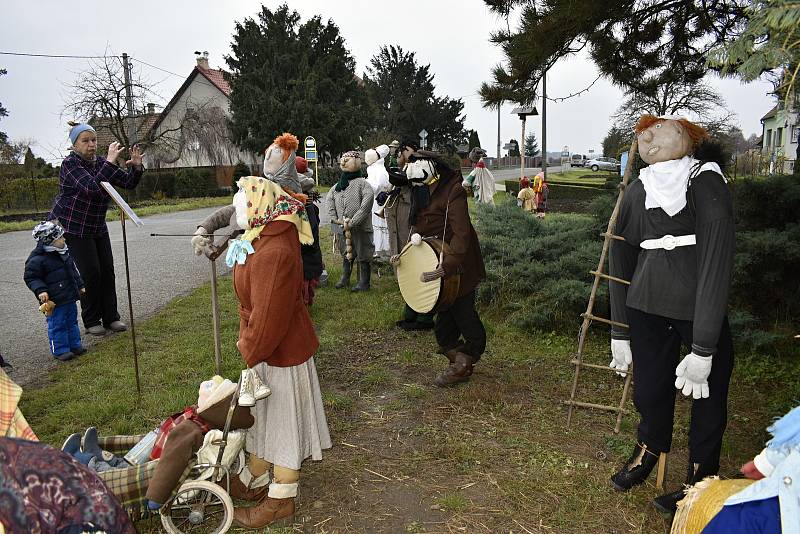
480, 182
349, 206
677, 221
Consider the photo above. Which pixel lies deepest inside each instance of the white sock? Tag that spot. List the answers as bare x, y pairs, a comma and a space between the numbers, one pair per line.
282, 491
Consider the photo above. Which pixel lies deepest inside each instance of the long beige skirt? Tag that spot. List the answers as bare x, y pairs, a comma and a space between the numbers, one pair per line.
290, 424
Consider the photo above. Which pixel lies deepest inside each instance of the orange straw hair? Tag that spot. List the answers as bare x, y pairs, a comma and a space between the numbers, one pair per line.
696, 133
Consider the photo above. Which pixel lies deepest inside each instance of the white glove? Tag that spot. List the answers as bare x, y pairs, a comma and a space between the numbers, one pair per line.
692, 375
200, 241
621, 356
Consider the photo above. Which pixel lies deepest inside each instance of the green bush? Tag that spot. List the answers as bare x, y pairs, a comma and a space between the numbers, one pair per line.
199, 182
537, 270
19, 193
239, 170
330, 175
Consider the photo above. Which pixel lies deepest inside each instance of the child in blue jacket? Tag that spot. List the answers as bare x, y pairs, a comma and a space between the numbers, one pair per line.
53, 277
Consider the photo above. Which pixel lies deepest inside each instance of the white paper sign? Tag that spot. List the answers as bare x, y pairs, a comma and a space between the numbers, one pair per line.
121, 203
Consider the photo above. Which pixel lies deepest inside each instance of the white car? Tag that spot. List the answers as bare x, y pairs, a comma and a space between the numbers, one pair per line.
606, 164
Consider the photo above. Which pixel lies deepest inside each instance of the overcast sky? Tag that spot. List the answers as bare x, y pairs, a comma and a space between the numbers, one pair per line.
451, 35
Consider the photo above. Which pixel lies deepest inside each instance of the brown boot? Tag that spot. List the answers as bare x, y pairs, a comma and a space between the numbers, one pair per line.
240, 491
458, 371
266, 512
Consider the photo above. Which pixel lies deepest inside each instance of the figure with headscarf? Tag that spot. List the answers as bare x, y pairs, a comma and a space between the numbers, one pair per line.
277, 342
350, 210
480, 182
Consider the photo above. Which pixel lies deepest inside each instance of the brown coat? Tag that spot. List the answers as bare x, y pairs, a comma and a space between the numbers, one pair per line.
465, 257
274, 324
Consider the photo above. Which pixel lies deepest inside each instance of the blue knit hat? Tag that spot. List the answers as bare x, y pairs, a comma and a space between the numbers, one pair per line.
77, 130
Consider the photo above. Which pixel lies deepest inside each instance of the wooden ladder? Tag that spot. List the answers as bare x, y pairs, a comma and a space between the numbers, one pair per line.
589, 316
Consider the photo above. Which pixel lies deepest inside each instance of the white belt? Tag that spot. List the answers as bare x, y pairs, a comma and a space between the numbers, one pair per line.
669, 242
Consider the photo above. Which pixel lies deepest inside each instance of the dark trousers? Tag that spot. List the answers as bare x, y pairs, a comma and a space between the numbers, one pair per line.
656, 346
410, 316
62, 329
95, 261
461, 320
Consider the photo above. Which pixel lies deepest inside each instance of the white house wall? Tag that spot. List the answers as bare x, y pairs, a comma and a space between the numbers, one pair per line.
200, 94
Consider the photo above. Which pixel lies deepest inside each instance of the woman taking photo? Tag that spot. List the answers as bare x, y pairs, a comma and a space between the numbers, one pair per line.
81, 206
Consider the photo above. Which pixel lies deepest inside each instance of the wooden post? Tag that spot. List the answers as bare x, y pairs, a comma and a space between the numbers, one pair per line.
130, 301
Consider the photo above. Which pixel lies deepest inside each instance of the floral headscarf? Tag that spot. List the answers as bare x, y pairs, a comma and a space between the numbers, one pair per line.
265, 202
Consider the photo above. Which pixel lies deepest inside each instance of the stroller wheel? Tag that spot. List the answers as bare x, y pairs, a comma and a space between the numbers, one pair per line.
199, 506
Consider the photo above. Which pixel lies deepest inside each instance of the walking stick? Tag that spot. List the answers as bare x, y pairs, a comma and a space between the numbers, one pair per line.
216, 252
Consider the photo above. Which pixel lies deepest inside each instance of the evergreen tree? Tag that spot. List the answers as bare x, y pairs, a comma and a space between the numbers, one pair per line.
474, 140
639, 44
531, 145
293, 77
403, 92
3, 113
616, 142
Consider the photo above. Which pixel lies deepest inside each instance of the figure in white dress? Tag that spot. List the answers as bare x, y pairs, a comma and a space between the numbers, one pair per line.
378, 178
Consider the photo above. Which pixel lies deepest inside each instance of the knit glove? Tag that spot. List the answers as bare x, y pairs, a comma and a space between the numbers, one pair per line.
200, 241
692, 375
621, 356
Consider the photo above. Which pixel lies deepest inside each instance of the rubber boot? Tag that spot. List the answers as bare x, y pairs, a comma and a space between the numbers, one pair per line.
363, 277
347, 268
636, 469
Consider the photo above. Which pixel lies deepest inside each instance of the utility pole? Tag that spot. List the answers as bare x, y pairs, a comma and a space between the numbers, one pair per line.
498, 134
544, 124
131, 129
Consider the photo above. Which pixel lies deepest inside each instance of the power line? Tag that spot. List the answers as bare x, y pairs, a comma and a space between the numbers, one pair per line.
53, 55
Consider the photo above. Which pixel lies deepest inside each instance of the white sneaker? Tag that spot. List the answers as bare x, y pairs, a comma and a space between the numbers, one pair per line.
260, 390
246, 389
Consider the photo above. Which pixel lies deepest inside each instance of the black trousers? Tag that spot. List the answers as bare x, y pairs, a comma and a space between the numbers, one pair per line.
461, 320
656, 346
95, 261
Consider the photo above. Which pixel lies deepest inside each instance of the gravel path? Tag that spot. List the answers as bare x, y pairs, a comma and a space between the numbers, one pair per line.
161, 269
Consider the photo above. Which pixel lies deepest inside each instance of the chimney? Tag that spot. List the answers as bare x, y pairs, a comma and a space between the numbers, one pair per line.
202, 59
151, 108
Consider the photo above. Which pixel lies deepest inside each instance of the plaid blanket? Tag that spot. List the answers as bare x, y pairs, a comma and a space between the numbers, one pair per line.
129, 485
12, 422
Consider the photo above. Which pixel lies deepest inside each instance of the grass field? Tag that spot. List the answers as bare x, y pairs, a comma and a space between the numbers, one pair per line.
493, 455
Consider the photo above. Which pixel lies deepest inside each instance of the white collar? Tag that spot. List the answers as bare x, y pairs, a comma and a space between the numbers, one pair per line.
665, 183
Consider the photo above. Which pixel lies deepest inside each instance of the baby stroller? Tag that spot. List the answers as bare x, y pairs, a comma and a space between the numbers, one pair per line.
195, 505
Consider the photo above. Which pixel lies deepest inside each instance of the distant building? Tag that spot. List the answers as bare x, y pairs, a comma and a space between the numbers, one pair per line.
780, 131
192, 130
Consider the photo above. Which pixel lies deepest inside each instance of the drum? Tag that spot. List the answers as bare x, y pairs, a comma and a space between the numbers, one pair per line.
425, 297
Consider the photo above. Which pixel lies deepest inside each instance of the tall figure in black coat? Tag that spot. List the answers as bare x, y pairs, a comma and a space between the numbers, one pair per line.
677, 221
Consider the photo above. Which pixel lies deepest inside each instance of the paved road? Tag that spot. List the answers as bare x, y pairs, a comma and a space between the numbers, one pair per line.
513, 173
161, 269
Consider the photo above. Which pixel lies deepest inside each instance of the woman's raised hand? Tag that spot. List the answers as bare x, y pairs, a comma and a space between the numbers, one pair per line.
136, 157
114, 150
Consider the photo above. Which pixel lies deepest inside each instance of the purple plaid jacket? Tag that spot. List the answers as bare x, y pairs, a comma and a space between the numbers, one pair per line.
81, 202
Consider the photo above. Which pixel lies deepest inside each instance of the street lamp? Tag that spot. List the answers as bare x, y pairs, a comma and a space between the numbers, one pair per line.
523, 113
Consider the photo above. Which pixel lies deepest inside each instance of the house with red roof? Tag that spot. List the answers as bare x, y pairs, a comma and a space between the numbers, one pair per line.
192, 130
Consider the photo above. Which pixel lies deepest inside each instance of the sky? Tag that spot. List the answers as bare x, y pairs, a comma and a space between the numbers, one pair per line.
450, 35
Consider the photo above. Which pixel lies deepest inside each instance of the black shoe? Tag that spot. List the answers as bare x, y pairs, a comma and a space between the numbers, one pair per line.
79, 351
668, 503
64, 356
636, 469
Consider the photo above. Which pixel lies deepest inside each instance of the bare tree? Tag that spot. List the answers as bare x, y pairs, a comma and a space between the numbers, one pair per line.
698, 100
98, 95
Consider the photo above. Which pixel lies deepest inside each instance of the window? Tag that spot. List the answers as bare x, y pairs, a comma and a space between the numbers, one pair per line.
795, 134
779, 137
768, 139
